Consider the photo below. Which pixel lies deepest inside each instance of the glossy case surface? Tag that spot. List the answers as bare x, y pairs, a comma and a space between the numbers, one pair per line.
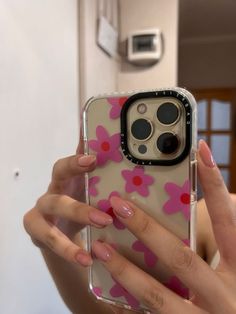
166, 192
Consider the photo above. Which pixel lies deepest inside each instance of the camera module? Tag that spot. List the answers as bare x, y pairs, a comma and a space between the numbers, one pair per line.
167, 143
168, 113
141, 129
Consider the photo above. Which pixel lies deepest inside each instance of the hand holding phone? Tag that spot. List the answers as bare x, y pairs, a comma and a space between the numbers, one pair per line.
145, 144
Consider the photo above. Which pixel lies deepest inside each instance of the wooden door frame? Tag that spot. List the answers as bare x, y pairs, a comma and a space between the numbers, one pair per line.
225, 94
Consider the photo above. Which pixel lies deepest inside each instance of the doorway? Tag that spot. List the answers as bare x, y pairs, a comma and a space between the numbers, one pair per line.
216, 125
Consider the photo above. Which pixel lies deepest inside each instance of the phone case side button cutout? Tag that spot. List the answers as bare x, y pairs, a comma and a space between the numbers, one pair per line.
194, 180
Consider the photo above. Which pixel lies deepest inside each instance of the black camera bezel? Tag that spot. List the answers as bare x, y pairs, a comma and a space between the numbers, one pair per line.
157, 94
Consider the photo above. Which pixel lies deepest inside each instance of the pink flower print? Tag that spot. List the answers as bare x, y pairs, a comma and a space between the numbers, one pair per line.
137, 181
97, 291
105, 206
118, 291
107, 147
179, 199
150, 258
91, 185
177, 286
117, 104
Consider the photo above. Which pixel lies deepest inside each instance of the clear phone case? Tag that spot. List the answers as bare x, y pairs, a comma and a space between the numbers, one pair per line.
166, 192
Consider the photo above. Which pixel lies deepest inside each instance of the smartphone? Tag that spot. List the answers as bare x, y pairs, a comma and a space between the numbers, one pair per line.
145, 144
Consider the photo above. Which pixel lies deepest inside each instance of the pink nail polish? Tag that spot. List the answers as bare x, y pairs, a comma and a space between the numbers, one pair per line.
206, 155
121, 207
86, 161
101, 251
100, 218
83, 258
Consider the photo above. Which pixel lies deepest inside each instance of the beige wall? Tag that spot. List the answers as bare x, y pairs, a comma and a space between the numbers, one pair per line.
98, 71
208, 62
138, 14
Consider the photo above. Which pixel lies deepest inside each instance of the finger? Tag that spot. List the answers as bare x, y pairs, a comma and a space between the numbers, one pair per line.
219, 203
80, 147
69, 167
142, 286
178, 257
65, 207
51, 237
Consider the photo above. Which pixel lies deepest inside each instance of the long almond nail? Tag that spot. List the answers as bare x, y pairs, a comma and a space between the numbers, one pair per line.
101, 251
100, 218
206, 155
85, 161
121, 207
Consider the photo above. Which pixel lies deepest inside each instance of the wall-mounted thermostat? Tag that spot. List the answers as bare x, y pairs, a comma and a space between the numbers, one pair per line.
145, 46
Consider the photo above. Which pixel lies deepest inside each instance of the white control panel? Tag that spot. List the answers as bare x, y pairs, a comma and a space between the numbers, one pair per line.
145, 46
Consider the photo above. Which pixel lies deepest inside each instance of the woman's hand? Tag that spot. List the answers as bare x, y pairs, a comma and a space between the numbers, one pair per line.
60, 213
213, 291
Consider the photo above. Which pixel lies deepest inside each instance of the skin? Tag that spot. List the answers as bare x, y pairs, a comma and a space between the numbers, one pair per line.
55, 222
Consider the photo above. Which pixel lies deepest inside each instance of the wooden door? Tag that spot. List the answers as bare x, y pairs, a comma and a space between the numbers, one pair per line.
217, 125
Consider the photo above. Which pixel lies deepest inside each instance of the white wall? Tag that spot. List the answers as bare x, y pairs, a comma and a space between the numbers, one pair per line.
139, 14
38, 123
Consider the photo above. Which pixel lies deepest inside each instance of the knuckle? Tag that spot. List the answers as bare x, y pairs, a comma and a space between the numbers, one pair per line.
27, 221
119, 270
68, 252
144, 225
218, 182
51, 240
221, 221
63, 169
213, 184
71, 166
45, 202
153, 299
75, 210
55, 202
40, 202
38, 243
182, 259
71, 163
55, 167
225, 219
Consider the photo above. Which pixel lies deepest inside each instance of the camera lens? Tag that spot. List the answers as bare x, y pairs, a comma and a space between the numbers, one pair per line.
167, 113
141, 129
167, 143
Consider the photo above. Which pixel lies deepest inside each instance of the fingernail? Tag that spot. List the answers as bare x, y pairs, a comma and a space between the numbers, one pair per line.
101, 251
206, 155
100, 218
121, 207
86, 160
83, 258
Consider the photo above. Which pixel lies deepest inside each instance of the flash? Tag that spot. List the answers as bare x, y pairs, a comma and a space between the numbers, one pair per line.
142, 108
